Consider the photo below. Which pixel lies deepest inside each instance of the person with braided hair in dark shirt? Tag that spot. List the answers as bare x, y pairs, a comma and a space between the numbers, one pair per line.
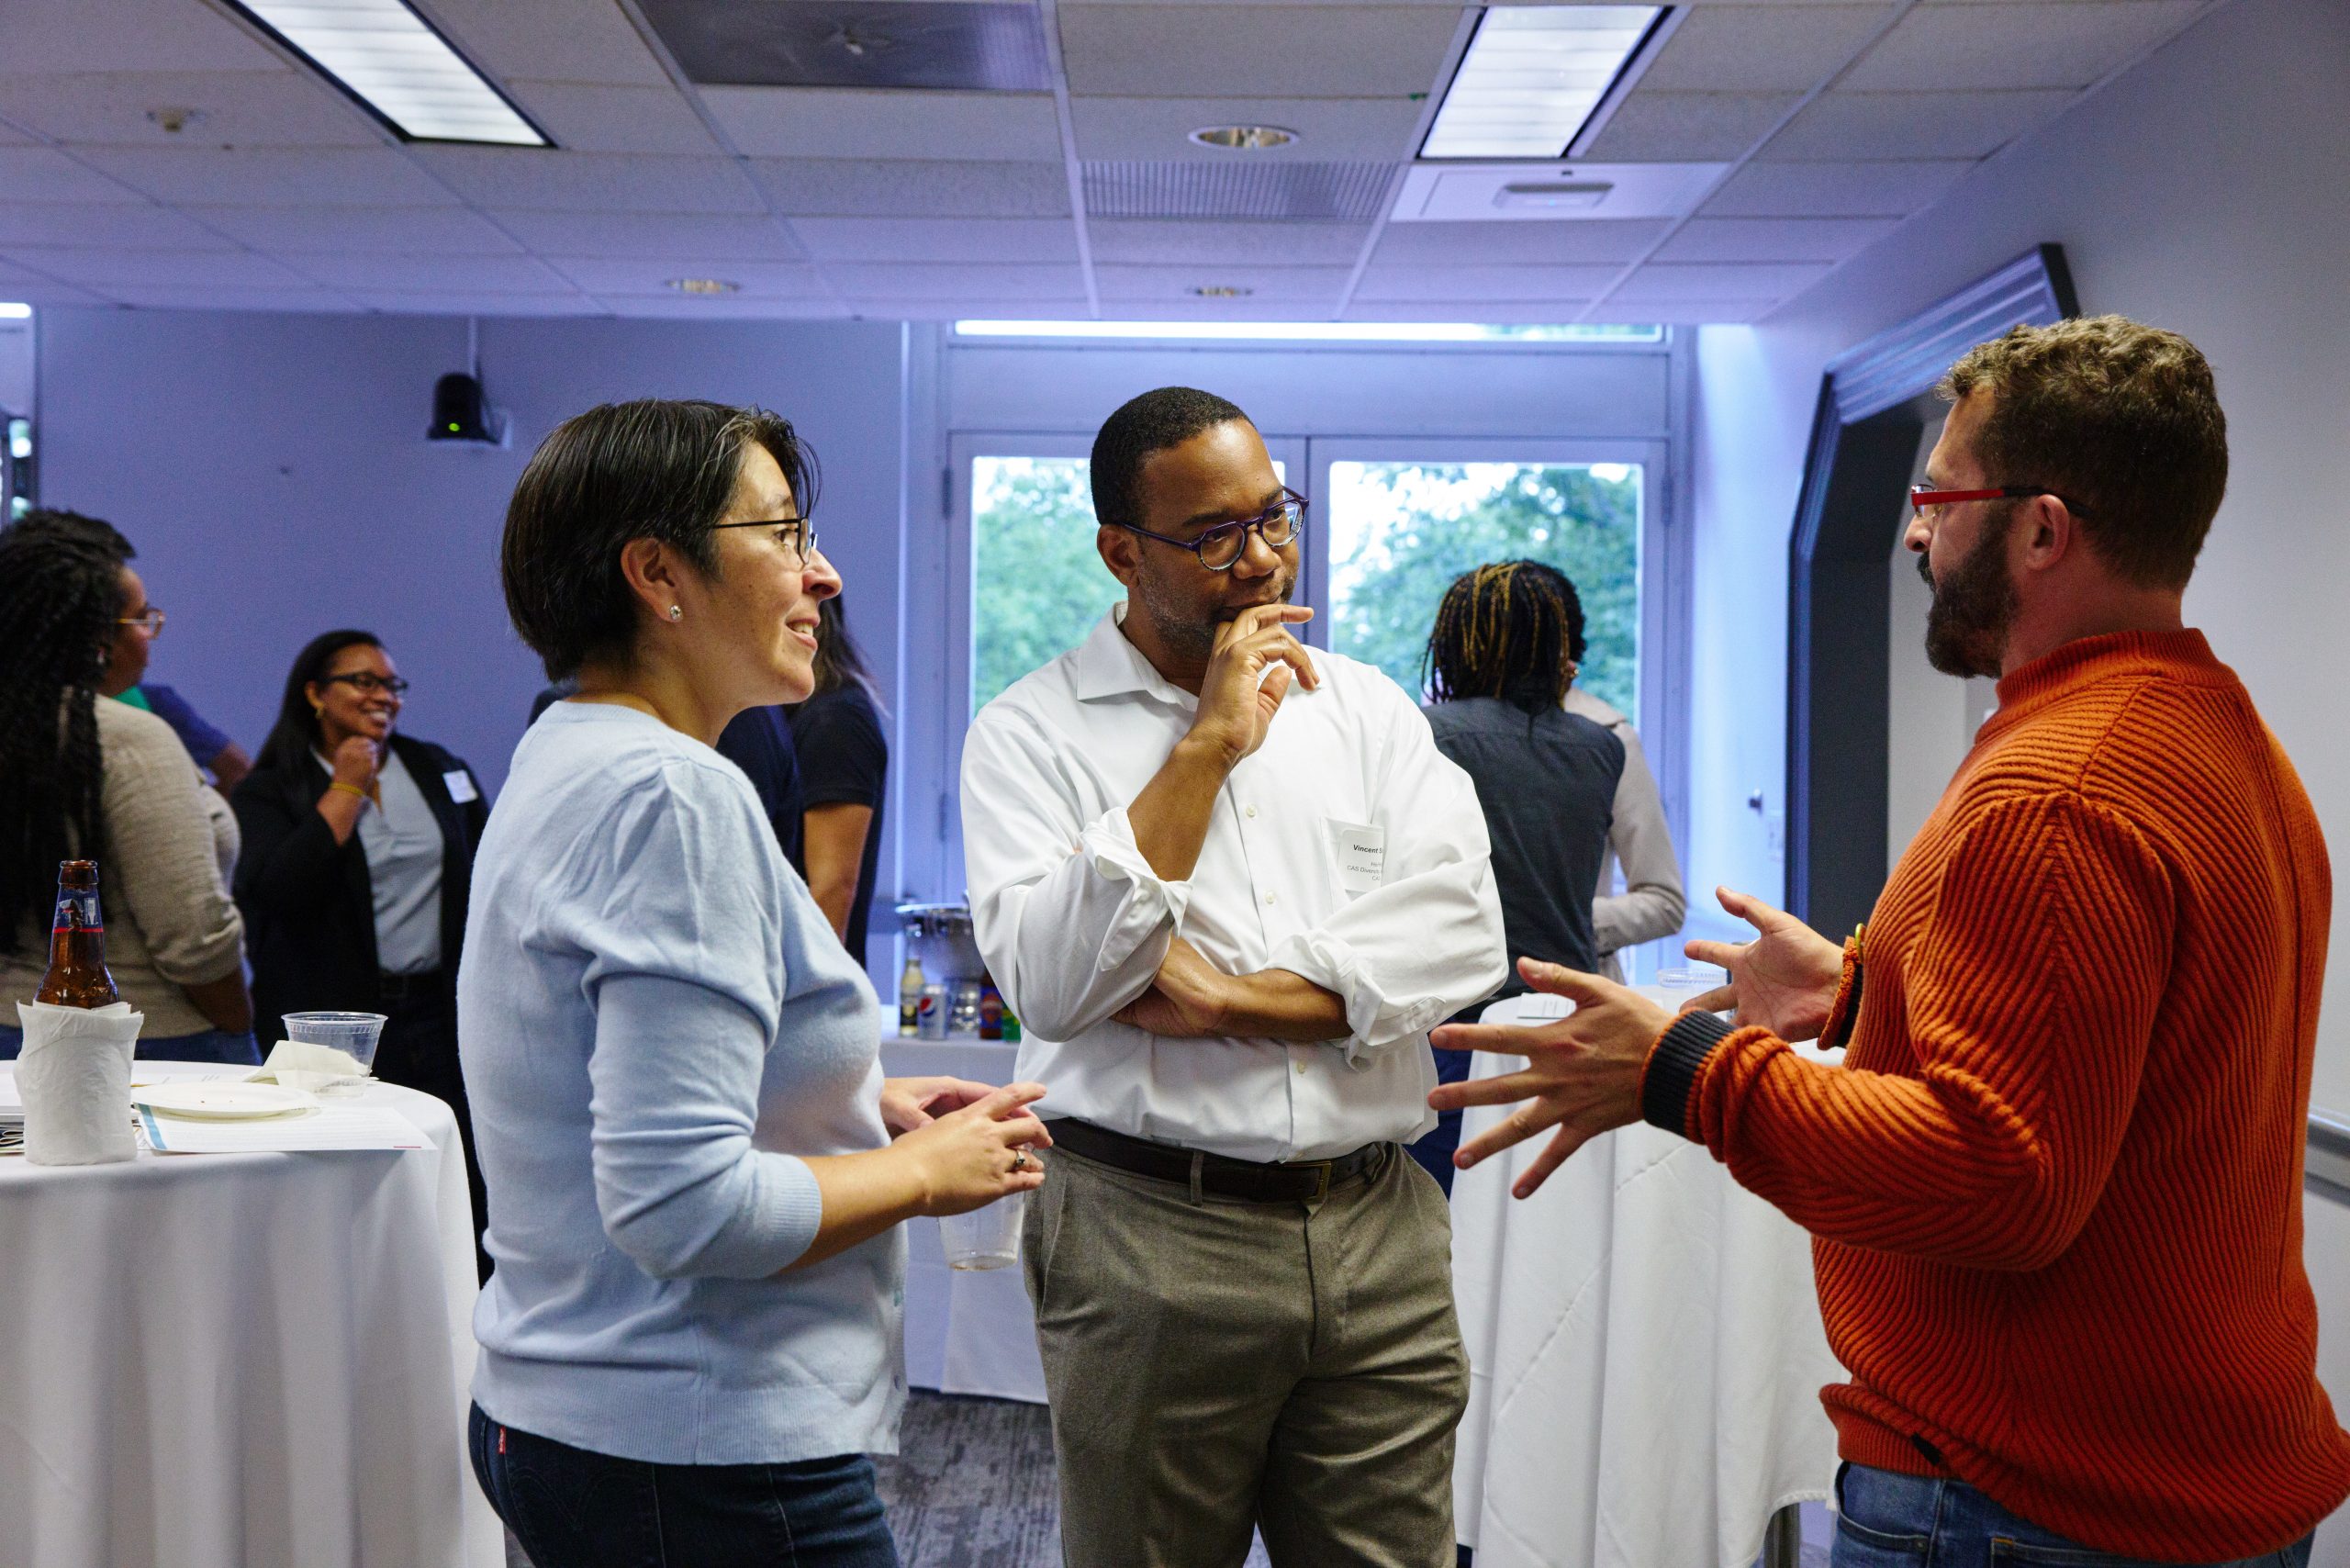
1500, 661
85, 779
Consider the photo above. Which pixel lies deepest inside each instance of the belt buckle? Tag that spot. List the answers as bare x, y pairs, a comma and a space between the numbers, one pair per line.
1321, 1179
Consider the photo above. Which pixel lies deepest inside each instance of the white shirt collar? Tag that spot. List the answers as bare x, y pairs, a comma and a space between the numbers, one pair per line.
1110, 666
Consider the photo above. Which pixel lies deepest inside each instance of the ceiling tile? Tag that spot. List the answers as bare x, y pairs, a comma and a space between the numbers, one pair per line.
651, 274
1692, 312
588, 118
24, 288
473, 274
417, 230
1916, 125
1832, 190
1755, 49
53, 36
835, 122
553, 40
1329, 129
1688, 128
877, 280
1168, 242
1660, 281
175, 297
40, 173
1775, 239
672, 306
855, 187
265, 176
1470, 244
592, 181
725, 236
2044, 45
1222, 51
126, 228
275, 107
938, 239
1171, 285
453, 302
1468, 308
98, 266
1426, 283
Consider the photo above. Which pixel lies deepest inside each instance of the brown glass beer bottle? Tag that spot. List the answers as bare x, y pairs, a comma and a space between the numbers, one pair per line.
77, 943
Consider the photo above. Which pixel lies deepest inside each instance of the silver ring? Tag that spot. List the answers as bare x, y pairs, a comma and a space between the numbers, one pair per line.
1019, 1160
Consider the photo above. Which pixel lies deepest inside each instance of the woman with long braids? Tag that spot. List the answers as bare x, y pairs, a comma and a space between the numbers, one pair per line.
1500, 662
86, 780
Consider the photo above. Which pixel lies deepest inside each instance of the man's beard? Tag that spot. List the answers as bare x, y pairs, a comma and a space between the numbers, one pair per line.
1967, 629
1180, 630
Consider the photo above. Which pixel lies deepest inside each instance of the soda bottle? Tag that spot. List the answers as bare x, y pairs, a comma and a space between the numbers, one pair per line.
77, 943
909, 986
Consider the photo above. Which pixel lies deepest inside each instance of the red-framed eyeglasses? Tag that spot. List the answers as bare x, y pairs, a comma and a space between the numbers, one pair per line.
1924, 495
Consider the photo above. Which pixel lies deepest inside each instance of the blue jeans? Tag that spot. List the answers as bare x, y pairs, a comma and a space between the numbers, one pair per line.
571, 1508
212, 1045
1885, 1521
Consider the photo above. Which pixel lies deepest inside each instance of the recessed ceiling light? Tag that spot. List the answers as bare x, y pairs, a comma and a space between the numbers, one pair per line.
1221, 290
1243, 137
703, 285
11, 312
398, 68
1532, 77
173, 121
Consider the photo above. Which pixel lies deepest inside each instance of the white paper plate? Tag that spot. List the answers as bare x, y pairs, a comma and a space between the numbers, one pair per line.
224, 1101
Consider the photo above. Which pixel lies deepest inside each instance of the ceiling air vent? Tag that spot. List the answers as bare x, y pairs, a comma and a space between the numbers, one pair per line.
1193, 189
974, 45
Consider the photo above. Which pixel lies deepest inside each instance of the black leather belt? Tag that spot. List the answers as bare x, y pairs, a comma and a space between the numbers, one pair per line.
1218, 1175
393, 988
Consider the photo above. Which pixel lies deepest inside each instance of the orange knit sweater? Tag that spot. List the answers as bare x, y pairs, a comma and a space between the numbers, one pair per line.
2055, 1188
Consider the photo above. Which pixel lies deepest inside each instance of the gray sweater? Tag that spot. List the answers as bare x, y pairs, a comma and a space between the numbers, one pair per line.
1652, 904
162, 886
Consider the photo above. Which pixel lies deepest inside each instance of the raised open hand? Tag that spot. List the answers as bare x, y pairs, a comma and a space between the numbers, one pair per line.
1784, 980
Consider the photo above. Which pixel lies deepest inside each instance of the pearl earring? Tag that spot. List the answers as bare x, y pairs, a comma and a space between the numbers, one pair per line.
676, 613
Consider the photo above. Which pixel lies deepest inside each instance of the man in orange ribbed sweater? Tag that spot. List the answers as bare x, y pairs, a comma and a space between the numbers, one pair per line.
2055, 1187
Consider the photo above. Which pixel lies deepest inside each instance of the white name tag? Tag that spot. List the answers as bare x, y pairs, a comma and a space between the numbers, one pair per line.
461, 786
1363, 856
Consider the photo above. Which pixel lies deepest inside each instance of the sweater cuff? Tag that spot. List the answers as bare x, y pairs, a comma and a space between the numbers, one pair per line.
1837, 1031
1673, 1064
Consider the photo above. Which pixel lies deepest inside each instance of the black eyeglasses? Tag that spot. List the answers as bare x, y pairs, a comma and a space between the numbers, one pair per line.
797, 535
1220, 548
367, 683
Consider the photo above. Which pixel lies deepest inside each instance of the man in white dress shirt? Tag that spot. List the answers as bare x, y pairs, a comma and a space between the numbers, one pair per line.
1229, 885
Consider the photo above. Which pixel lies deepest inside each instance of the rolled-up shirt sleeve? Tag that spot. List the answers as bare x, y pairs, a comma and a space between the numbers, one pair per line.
1428, 942
1070, 917
687, 1003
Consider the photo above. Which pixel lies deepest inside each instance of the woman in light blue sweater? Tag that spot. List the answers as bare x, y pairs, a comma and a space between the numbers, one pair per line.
695, 1168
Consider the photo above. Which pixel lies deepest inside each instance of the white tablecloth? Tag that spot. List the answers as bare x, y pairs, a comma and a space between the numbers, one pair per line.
240, 1361
965, 1332
1646, 1355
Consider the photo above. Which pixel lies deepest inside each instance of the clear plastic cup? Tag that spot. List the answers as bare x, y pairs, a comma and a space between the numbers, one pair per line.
355, 1034
985, 1238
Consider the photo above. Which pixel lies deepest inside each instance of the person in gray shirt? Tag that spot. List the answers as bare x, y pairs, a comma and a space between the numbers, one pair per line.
1500, 661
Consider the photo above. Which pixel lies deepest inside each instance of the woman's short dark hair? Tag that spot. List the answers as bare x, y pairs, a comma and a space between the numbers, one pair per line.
657, 469
296, 734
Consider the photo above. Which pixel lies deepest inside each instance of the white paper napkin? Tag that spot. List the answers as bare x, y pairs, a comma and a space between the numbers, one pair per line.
297, 1064
75, 1076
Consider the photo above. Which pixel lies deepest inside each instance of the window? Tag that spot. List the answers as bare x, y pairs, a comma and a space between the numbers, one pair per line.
1398, 533
1037, 575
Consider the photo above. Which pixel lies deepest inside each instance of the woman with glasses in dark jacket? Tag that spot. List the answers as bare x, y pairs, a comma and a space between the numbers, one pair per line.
358, 858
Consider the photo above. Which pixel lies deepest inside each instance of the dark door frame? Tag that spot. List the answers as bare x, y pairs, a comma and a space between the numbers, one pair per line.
1874, 401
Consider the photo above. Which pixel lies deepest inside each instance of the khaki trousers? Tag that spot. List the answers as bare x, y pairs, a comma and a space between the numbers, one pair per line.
1214, 1364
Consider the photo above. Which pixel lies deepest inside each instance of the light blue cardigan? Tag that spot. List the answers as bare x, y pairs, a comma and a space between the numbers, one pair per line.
652, 1011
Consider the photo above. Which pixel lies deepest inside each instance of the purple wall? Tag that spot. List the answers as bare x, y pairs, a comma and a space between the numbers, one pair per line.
273, 473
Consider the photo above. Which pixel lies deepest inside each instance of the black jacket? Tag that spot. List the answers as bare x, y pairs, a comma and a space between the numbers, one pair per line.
309, 905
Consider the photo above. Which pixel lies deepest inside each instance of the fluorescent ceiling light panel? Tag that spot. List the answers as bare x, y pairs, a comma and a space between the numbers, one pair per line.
393, 62
1532, 77
1312, 331
14, 312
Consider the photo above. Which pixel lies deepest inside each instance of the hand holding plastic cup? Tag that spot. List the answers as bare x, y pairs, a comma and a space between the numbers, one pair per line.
355, 1034
987, 1236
